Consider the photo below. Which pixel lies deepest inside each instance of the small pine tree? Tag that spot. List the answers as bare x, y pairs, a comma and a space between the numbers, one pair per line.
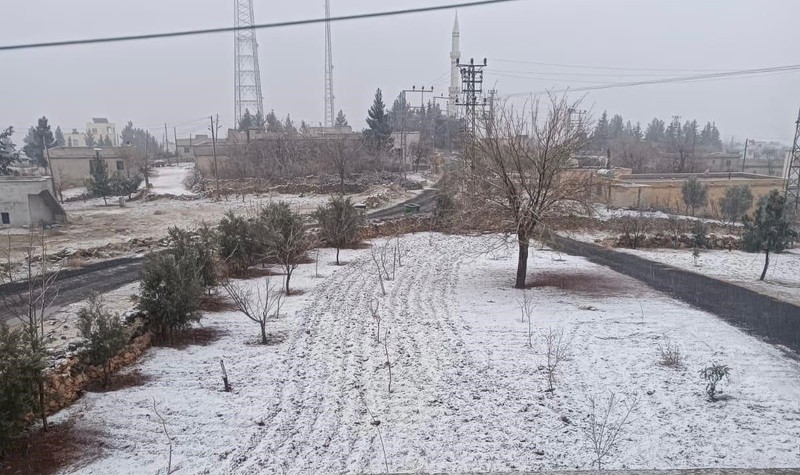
197, 248
8, 152
235, 241
105, 334
169, 293
90, 139
769, 230
341, 119
99, 183
695, 194
339, 223
247, 121
19, 370
125, 186
60, 142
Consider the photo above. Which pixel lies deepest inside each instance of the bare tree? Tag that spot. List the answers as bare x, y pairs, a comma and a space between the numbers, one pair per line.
606, 425
557, 348
520, 169
261, 306
342, 153
420, 152
30, 303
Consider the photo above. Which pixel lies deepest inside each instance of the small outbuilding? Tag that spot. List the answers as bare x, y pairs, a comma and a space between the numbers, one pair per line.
29, 201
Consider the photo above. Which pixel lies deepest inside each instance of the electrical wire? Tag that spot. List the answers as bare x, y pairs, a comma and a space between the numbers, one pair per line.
699, 77
230, 29
610, 68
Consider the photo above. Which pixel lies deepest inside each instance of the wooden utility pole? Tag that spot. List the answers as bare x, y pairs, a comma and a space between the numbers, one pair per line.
214, 148
166, 142
175, 136
146, 162
744, 157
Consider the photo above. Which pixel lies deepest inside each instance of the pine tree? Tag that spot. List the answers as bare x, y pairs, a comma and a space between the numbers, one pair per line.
258, 121
38, 137
601, 133
616, 127
341, 120
655, 133
60, 142
273, 124
246, 122
99, 183
8, 153
288, 125
90, 138
378, 135
304, 128
769, 230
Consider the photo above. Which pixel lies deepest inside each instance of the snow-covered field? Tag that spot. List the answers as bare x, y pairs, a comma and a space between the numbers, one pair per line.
468, 394
783, 275
170, 180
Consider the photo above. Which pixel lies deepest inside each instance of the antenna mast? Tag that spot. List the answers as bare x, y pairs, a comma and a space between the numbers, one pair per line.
247, 75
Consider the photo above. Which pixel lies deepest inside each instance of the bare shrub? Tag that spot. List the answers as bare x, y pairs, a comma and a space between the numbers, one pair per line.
374, 306
558, 350
713, 375
526, 306
634, 228
261, 306
671, 355
607, 423
375, 254
166, 433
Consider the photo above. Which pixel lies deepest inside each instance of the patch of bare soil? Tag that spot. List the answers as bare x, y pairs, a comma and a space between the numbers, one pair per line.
44, 453
588, 283
198, 336
119, 381
216, 303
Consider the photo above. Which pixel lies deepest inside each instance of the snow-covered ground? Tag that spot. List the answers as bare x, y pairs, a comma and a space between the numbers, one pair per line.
783, 275
170, 180
468, 394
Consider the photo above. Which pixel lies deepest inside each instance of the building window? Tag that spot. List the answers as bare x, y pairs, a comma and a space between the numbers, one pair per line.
120, 165
6, 219
185, 149
728, 163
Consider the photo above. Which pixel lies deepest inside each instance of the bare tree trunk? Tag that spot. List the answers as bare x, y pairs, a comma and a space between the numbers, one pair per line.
263, 324
337, 256
766, 264
288, 278
522, 263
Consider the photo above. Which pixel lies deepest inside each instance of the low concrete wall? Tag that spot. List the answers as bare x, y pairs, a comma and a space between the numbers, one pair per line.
761, 315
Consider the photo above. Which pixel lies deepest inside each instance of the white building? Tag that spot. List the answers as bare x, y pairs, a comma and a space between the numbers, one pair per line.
74, 138
185, 146
101, 128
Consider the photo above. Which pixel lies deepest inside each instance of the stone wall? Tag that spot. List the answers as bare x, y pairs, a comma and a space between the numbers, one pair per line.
70, 375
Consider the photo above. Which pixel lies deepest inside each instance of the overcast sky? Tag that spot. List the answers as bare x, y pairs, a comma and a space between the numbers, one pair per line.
181, 81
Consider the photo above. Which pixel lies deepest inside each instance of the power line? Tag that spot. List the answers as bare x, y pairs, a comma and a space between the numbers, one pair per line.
229, 29
611, 68
585, 74
699, 77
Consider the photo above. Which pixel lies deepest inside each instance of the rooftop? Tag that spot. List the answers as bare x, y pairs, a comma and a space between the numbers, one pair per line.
99, 120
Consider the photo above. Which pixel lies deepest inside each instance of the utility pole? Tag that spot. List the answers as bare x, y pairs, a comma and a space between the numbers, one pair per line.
744, 157
472, 92
175, 136
446, 122
793, 173
214, 148
166, 142
421, 92
146, 164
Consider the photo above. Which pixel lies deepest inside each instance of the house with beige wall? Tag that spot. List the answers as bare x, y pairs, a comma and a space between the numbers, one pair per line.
72, 165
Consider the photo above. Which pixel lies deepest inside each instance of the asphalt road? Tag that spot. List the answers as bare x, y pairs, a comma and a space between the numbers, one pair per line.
75, 285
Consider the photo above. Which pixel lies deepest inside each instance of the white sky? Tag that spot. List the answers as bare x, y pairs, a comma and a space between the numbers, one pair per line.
184, 80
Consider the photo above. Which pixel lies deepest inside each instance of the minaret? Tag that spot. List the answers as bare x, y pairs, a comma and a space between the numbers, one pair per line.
455, 55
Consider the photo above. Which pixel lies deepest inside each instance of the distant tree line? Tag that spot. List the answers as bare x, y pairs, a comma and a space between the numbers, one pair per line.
660, 146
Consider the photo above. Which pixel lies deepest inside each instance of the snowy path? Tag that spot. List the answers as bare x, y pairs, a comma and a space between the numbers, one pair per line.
170, 180
467, 391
